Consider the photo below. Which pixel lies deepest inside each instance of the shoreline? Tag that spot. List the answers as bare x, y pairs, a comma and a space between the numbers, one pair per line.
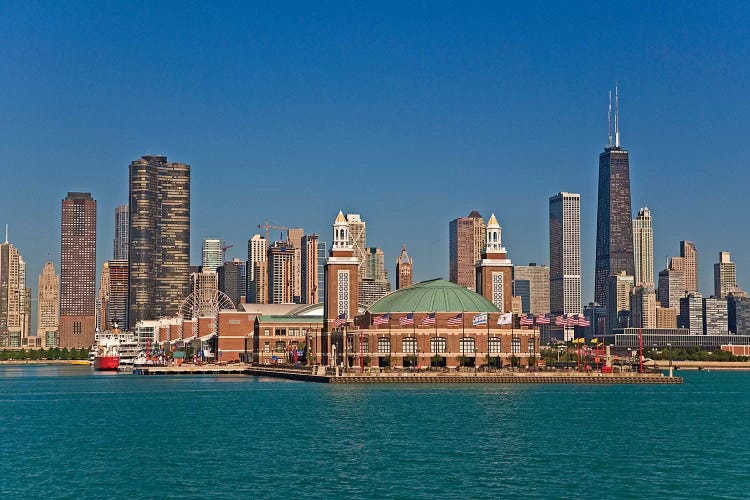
700, 365
41, 362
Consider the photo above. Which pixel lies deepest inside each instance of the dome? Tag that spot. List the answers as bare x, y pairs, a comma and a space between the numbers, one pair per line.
435, 295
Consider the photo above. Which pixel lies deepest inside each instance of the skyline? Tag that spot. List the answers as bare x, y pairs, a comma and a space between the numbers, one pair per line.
517, 100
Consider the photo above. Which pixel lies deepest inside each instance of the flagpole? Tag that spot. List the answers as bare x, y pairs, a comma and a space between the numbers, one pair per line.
488, 341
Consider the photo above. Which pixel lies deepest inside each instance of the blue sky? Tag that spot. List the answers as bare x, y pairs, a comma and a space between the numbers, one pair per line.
410, 114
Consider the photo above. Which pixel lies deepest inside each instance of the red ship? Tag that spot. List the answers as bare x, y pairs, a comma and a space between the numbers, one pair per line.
107, 355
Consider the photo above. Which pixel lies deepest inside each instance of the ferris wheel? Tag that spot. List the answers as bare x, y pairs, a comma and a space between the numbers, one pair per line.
203, 304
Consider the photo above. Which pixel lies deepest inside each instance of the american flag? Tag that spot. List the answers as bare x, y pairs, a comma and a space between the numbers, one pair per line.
583, 322
456, 320
559, 320
406, 320
543, 319
383, 319
572, 320
428, 320
527, 320
340, 320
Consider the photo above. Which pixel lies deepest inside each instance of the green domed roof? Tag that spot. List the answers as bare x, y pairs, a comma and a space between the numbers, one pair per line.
432, 296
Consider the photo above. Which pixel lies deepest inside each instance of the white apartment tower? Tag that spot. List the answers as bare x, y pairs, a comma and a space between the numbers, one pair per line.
643, 248
213, 255
565, 253
358, 240
725, 275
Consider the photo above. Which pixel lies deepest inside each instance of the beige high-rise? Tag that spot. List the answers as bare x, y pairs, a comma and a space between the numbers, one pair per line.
294, 238
725, 275
358, 240
48, 301
467, 239
643, 247
10, 296
690, 259
643, 307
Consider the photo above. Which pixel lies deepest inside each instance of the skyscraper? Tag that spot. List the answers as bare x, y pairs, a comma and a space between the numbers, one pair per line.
159, 237
233, 279
10, 295
643, 307
78, 271
310, 268
280, 273
358, 237
375, 264
467, 240
565, 253
294, 238
643, 248
403, 269
257, 248
619, 289
690, 255
725, 275
122, 228
213, 255
614, 223
531, 283
48, 303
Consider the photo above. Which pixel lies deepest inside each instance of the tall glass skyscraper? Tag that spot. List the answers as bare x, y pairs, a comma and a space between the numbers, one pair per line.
159, 242
565, 254
122, 228
614, 223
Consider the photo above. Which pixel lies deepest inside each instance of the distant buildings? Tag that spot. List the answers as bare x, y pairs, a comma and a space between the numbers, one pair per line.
159, 242
687, 263
233, 280
212, 256
122, 229
113, 294
643, 306
715, 316
281, 273
467, 240
294, 238
619, 288
12, 317
78, 271
671, 288
48, 305
375, 285
643, 247
691, 313
614, 225
532, 285
257, 248
725, 275
403, 269
309, 255
358, 240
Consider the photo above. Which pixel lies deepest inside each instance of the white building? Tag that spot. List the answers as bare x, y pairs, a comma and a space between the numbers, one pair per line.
213, 255
643, 248
565, 254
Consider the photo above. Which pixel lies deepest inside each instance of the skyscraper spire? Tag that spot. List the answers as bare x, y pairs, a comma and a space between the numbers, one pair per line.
6, 234
617, 116
609, 121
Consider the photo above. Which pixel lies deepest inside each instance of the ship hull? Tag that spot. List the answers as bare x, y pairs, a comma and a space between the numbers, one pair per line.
102, 363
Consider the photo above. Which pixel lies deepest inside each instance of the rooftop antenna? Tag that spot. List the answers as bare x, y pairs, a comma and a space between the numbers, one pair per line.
609, 121
6, 234
617, 113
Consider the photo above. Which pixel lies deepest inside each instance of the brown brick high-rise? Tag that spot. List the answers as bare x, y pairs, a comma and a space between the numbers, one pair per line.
78, 271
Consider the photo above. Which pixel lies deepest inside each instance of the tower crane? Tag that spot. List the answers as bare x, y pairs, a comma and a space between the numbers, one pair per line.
268, 226
224, 252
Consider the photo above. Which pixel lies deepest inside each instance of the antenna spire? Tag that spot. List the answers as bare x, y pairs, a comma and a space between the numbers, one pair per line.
609, 121
6, 234
617, 116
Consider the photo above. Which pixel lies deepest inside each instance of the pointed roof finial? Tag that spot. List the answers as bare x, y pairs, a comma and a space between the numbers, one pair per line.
340, 218
493, 221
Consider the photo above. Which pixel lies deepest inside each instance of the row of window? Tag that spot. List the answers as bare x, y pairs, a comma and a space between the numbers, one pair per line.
439, 345
283, 332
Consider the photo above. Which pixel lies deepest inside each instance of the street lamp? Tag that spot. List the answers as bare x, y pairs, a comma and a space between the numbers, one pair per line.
669, 347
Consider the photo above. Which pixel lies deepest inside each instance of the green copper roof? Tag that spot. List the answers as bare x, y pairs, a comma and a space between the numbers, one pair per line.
432, 296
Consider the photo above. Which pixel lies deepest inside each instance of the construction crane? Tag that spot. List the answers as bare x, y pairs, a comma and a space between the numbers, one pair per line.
224, 252
268, 226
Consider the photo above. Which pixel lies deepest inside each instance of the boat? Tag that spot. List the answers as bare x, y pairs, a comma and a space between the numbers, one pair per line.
80, 362
107, 355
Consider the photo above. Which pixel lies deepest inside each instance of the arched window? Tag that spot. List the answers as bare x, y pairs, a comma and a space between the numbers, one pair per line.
279, 346
409, 345
467, 345
515, 345
438, 344
496, 346
384, 345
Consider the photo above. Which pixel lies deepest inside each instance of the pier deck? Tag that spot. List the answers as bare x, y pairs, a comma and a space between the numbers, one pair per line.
307, 375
